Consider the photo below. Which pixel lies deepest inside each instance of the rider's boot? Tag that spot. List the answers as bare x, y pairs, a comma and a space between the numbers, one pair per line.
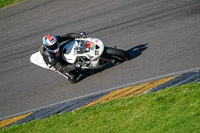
71, 77
67, 72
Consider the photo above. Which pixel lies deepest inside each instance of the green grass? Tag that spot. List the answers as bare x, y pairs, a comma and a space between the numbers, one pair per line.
173, 110
5, 3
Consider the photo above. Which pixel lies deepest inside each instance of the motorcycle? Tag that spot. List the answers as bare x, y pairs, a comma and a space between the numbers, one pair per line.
86, 54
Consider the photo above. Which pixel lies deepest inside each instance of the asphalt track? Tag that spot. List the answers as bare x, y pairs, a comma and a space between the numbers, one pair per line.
163, 37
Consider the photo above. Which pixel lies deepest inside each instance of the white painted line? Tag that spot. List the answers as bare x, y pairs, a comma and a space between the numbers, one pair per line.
109, 89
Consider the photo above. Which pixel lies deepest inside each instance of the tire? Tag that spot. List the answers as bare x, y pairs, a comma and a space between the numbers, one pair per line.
117, 54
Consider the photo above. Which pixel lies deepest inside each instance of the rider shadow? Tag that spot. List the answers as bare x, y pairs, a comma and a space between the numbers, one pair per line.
134, 53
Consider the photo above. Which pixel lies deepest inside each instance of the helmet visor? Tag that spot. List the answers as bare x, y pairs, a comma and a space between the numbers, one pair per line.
53, 47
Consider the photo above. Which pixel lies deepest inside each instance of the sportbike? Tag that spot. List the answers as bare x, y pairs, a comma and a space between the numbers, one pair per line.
87, 54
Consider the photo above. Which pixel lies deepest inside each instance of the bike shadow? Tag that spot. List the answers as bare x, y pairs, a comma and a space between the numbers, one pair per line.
134, 53
137, 50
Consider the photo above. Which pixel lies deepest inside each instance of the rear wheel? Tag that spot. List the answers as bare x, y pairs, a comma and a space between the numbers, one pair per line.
117, 55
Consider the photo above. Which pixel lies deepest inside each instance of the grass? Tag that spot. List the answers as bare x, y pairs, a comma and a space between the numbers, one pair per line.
173, 110
5, 3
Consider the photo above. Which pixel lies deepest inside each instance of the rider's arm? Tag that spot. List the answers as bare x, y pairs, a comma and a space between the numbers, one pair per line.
53, 62
49, 58
69, 36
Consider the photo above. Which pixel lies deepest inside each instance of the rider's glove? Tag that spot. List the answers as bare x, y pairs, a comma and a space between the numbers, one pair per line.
83, 34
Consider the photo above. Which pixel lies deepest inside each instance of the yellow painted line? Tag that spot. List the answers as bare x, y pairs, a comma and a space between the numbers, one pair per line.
131, 91
9, 121
108, 96
152, 85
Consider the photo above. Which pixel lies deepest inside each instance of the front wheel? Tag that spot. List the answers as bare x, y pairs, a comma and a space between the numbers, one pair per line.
116, 54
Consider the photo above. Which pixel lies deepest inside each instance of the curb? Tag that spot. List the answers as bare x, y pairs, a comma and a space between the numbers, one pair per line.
115, 93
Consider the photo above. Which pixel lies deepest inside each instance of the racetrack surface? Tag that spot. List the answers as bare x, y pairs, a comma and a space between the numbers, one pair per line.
163, 35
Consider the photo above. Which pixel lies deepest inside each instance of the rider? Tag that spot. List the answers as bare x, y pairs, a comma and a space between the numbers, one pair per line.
51, 53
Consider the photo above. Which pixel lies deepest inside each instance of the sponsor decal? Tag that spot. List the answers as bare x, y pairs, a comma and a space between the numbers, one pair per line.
96, 41
91, 48
96, 52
